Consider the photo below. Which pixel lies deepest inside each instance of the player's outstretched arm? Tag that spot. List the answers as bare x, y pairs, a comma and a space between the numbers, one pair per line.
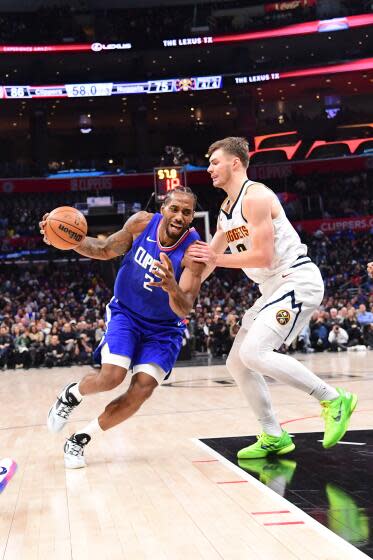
116, 245
181, 295
257, 212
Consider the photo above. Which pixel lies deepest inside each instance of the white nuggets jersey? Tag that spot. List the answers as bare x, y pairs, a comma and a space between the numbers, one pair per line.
288, 246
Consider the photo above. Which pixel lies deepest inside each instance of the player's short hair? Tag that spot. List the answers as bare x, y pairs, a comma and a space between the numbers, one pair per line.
235, 145
183, 190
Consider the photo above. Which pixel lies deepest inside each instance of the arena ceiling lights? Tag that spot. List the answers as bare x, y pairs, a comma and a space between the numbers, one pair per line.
307, 28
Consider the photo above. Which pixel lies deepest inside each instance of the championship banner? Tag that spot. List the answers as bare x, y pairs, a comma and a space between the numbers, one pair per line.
334, 225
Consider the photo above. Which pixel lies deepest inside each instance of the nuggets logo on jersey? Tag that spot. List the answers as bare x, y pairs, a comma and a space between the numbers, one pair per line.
283, 317
236, 233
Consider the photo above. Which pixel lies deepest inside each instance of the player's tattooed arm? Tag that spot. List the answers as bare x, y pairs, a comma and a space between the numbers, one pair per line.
181, 295
117, 244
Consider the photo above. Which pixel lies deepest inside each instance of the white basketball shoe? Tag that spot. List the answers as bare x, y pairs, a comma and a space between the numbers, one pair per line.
61, 410
74, 451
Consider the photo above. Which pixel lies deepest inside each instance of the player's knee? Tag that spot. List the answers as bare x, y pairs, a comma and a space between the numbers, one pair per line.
110, 377
142, 390
252, 354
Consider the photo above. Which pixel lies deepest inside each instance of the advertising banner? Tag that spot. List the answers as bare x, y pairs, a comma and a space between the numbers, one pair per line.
333, 225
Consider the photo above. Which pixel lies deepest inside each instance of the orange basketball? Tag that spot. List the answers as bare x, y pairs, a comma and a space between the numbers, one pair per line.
66, 227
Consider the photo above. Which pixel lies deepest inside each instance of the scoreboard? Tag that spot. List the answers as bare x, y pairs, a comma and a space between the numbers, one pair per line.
172, 85
168, 178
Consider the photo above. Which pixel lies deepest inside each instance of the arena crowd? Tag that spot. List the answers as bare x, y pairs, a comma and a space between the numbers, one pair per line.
52, 313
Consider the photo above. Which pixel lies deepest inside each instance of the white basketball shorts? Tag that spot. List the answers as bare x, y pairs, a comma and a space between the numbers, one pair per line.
287, 301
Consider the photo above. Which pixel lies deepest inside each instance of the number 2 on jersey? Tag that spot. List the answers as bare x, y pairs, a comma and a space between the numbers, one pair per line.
148, 278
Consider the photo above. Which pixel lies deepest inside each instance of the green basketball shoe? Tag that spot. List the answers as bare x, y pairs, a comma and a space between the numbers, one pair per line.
337, 414
267, 445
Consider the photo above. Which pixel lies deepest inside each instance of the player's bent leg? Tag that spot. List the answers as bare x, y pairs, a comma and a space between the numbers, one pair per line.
109, 377
106, 379
257, 352
141, 388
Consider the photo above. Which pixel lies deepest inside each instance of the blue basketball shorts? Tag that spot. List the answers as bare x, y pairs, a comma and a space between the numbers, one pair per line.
142, 341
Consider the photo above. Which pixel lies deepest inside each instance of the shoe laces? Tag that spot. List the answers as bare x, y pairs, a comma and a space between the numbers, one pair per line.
327, 407
75, 448
64, 410
264, 438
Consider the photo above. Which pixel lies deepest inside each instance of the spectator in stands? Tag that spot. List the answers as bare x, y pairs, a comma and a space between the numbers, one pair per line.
68, 339
338, 339
22, 344
335, 317
6, 348
220, 340
364, 317
84, 349
55, 355
319, 332
368, 336
36, 345
99, 332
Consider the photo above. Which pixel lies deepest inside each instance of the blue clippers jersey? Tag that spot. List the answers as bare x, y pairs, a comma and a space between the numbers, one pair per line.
131, 287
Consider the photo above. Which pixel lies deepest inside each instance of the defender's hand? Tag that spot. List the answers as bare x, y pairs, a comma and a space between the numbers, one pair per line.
42, 225
164, 270
202, 252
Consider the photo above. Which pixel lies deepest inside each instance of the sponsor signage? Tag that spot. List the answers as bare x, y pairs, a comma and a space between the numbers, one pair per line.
309, 27
333, 225
194, 178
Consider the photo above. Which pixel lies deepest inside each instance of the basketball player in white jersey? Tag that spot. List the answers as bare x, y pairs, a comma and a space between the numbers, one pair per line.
263, 243
370, 269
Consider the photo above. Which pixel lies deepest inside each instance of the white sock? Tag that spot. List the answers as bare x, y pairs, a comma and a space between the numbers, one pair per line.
90, 428
271, 425
325, 392
74, 390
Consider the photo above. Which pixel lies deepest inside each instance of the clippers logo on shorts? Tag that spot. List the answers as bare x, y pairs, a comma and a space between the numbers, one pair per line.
236, 233
283, 317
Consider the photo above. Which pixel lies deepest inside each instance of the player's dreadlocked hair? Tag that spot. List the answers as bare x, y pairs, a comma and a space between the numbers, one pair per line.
184, 190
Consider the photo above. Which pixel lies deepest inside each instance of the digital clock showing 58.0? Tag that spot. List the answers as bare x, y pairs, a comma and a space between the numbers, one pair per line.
168, 178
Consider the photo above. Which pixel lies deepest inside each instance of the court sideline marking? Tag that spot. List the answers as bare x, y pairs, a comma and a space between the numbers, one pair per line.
324, 531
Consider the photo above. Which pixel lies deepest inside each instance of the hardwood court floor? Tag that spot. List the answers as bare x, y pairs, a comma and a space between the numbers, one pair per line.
150, 492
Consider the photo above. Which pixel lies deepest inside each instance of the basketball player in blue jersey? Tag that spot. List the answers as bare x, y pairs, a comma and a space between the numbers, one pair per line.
266, 247
154, 290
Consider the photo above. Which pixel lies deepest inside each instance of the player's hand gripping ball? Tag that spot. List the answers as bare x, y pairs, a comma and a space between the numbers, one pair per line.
64, 228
